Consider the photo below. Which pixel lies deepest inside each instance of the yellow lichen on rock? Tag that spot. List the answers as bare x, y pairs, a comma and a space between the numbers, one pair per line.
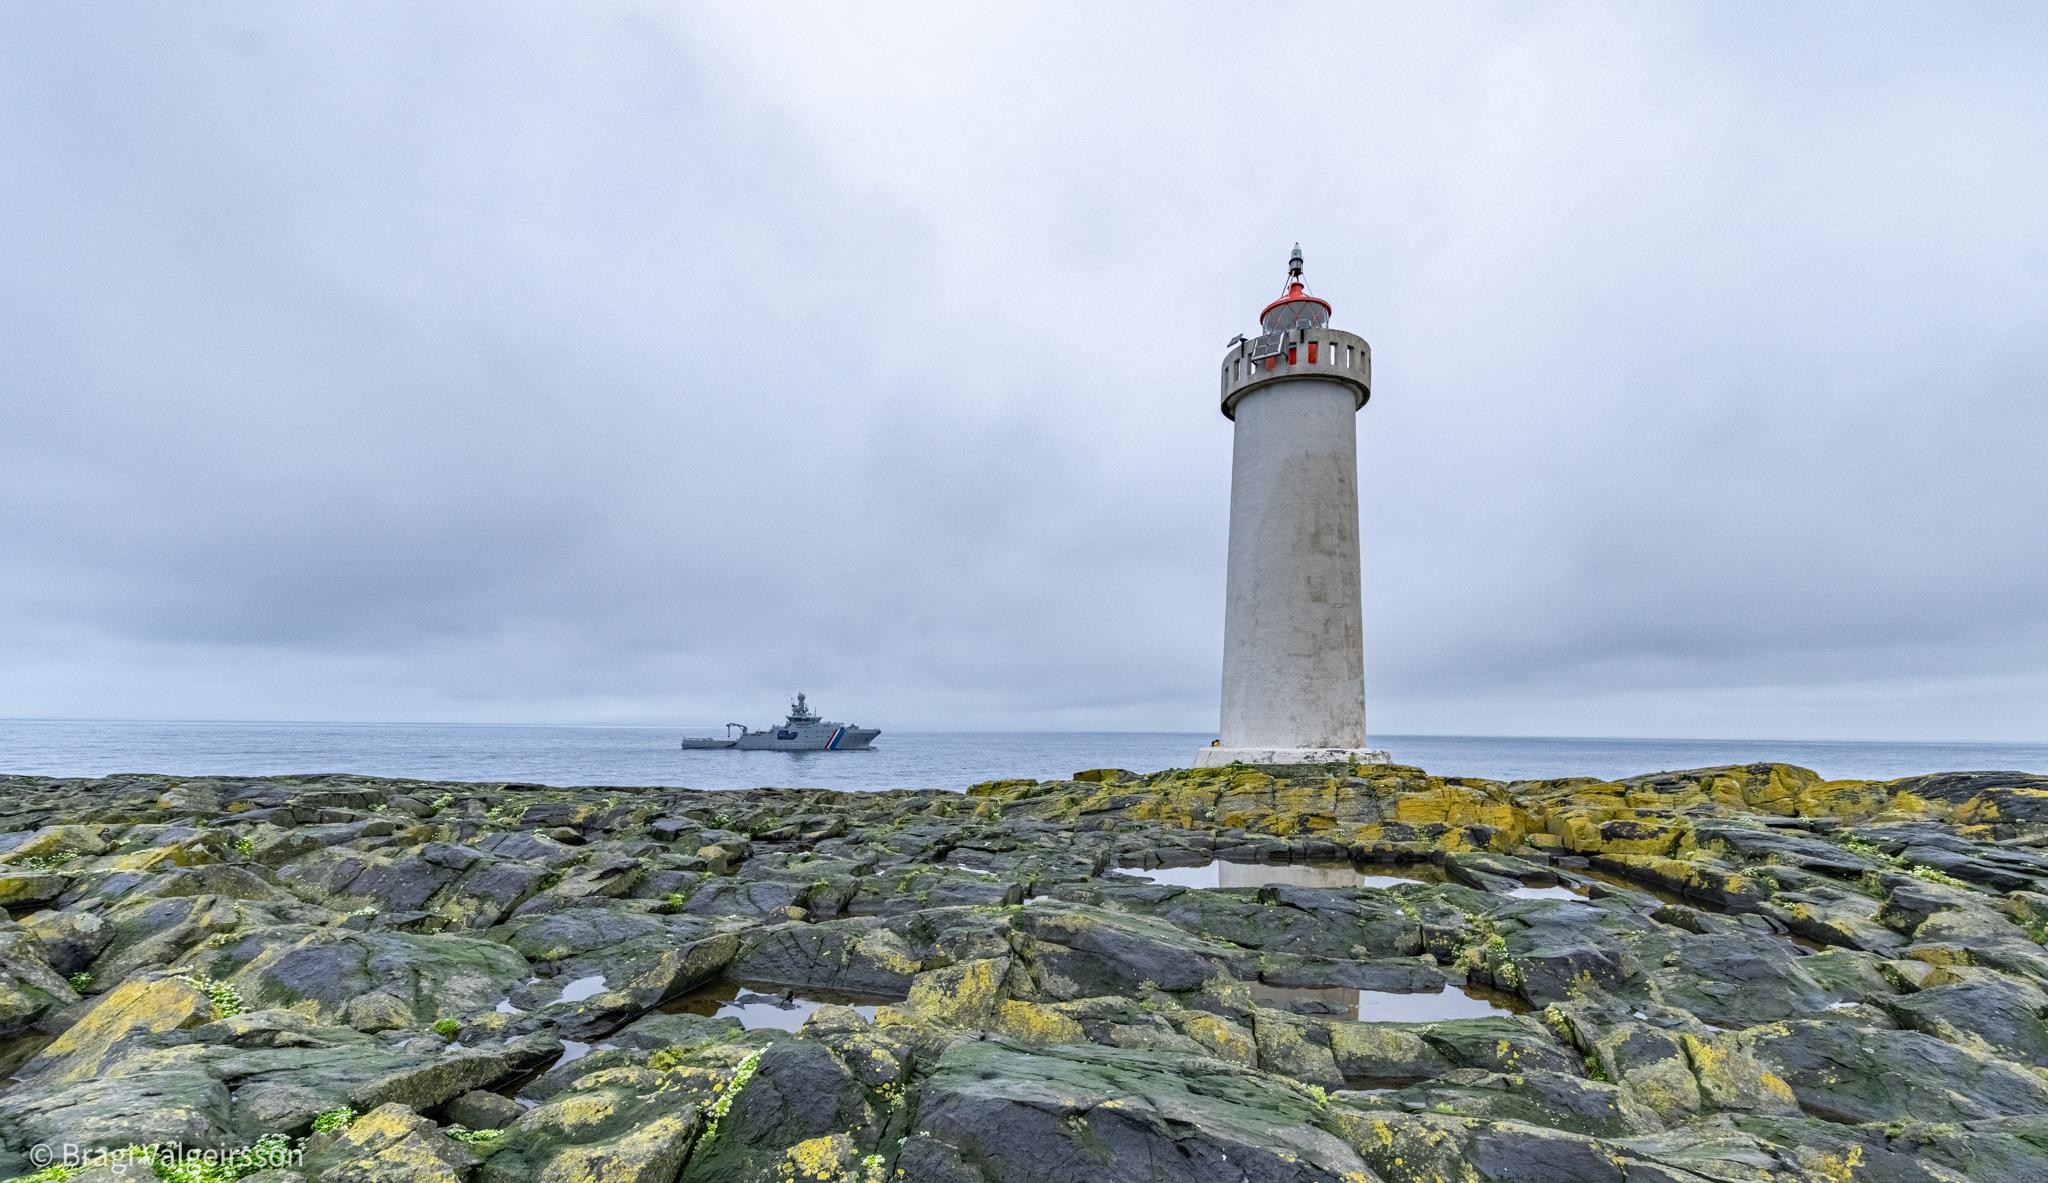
647, 1152
889, 951
1028, 1022
1578, 829
1223, 1038
962, 994
1452, 805
139, 1007
826, 1159
1849, 800
1732, 1078
392, 1144
1836, 1168
60, 840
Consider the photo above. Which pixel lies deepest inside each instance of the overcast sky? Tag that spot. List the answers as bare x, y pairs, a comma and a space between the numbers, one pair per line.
646, 362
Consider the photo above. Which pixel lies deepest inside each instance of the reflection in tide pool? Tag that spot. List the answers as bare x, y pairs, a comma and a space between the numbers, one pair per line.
1309, 873
1548, 893
782, 1008
1421, 874
582, 988
1654, 891
1381, 1006
573, 1051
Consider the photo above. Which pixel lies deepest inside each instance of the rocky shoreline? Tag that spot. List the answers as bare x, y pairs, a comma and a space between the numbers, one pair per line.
1738, 974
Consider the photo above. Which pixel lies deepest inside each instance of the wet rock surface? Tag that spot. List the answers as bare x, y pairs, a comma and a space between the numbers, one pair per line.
1738, 974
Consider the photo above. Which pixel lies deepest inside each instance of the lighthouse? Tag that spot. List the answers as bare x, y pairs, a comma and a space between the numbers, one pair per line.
1293, 630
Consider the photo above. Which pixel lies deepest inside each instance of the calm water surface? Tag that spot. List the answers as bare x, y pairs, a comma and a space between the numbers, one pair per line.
779, 1007
950, 760
1339, 873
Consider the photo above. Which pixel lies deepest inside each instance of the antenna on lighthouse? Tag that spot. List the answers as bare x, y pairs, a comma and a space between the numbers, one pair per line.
1294, 265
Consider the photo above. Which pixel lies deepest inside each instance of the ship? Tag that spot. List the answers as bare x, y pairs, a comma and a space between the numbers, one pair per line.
802, 731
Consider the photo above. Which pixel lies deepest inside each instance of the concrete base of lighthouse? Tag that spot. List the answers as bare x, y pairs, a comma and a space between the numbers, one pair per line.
1218, 757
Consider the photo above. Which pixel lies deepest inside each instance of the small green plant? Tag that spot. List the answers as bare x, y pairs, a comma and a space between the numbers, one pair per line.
442, 802
81, 981
447, 1028
227, 1001
246, 846
1318, 1094
54, 1173
1923, 871
727, 1094
43, 862
1869, 850
473, 1137
334, 1119
666, 1058
269, 1152
674, 899
550, 879
266, 1153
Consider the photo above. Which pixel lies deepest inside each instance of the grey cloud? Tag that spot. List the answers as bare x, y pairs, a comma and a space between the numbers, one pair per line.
633, 363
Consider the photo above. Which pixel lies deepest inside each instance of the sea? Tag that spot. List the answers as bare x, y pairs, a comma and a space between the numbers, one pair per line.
643, 756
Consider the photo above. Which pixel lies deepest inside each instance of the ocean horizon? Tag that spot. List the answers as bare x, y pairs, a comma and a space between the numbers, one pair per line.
646, 755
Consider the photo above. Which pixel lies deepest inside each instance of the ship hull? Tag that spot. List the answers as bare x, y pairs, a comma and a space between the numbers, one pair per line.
810, 737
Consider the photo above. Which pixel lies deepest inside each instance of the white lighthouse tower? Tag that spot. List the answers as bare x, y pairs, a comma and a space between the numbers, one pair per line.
1293, 633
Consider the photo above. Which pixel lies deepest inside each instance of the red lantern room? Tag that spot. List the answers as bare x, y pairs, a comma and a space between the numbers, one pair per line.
1295, 342
1295, 309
